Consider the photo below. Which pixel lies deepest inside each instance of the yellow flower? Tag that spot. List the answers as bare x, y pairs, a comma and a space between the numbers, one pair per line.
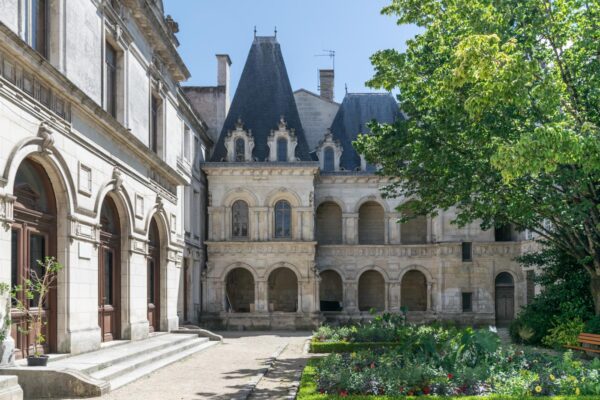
538, 388
577, 391
552, 377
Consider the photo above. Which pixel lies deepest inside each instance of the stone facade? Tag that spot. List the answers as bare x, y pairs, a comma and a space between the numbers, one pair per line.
91, 102
343, 251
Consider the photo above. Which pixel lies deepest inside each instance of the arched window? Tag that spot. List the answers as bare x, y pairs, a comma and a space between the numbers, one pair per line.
240, 149
328, 160
283, 219
239, 219
282, 144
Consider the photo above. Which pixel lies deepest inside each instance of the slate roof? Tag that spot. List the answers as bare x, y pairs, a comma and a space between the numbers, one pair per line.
263, 95
356, 111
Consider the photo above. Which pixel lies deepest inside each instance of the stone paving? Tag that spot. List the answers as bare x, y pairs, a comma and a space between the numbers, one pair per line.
224, 372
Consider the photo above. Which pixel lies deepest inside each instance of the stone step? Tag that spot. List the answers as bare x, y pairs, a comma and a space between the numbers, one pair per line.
141, 371
104, 358
141, 360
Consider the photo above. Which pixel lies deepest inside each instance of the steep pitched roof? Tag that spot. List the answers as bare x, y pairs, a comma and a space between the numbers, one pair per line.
263, 96
356, 111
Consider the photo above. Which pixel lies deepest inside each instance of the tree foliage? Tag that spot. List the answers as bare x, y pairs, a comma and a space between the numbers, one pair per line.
503, 106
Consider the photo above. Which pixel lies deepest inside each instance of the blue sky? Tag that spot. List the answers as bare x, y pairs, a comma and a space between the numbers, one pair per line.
353, 28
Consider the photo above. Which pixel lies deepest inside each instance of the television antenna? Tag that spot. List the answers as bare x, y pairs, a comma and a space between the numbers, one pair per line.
330, 54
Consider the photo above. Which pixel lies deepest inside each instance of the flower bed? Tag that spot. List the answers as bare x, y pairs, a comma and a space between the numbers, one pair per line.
348, 347
431, 360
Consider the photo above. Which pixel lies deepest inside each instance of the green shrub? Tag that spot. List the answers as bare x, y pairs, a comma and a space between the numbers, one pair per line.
347, 347
564, 333
593, 325
566, 296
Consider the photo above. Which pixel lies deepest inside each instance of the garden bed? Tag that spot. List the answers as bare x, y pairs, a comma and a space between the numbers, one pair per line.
438, 361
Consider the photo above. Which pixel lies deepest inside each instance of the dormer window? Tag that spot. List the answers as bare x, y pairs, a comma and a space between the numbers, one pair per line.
282, 149
239, 144
282, 143
329, 152
328, 160
240, 149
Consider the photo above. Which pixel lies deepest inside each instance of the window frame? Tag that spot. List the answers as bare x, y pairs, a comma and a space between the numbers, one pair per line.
285, 213
467, 295
281, 146
234, 223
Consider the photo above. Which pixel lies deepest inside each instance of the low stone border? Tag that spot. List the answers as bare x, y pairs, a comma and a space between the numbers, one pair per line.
250, 386
298, 375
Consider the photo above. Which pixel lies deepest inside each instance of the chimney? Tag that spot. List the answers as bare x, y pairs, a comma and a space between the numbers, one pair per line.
223, 76
326, 83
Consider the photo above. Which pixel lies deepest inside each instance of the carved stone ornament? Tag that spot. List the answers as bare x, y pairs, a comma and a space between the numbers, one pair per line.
47, 136
160, 206
117, 176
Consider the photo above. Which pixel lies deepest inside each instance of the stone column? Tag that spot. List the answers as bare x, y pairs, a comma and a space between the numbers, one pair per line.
429, 294
351, 296
134, 278
6, 218
394, 227
350, 227
261, 296
394, 296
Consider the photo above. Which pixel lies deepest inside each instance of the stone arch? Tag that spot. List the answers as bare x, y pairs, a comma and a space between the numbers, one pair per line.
414, 291
331, 290
282, 264
240, 194
372, 291
158, 212
414, 231
283, 194
371, 223
240, 290
120, 195
333, 199
419, 268
369, 198
282, 285
329, 223
161, 270
235, 265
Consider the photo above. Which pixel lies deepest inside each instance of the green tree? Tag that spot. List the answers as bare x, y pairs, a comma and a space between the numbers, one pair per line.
503, 106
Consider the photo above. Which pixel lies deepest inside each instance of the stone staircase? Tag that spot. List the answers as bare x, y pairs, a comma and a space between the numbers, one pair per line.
115, 365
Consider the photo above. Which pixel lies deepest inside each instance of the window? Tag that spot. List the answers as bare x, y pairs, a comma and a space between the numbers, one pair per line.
283, 219
155, 123
110, 61
39, 26
239, 219
240, 149
282, 144
530, 286
329, 160
467, 302
467, 251
187, 143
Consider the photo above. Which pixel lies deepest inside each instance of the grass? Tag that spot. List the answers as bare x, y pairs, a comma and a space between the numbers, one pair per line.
308, 391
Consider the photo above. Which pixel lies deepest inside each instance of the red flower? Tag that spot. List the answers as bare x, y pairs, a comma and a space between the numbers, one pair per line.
450, 376
343, 393
426, 390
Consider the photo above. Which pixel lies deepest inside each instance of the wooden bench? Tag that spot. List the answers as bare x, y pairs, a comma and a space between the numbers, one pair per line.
587, 338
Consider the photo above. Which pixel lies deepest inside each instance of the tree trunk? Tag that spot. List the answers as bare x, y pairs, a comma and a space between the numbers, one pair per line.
595, 288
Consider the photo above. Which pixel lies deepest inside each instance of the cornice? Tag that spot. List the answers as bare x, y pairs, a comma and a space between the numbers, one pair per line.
352, 177
24, 54
299, 168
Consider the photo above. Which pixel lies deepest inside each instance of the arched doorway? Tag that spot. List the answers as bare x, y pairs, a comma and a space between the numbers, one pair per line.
33, 237
239, 290
414, 231
109, 272
505, 299
331, 292
371, 291
371, 227
283, 290
329, 223
153, 277
414, 291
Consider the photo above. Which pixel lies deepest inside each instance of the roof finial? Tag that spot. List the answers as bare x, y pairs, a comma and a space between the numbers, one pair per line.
254, 30
346, 85
275, 31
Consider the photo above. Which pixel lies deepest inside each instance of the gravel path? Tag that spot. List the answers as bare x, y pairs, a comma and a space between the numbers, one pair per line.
224, 372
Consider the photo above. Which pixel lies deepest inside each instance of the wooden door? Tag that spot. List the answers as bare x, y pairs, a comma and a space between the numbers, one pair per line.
154, 293
505, 305
28, 246
108, 289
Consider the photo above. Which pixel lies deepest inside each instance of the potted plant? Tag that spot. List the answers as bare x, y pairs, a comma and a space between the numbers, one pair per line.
36, 289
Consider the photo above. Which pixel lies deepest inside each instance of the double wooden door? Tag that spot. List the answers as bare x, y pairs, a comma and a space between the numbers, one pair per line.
30, 244
153, 284
505, 305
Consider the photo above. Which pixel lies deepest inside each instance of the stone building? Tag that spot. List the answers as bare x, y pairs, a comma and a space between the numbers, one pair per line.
97, 144
298, 231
